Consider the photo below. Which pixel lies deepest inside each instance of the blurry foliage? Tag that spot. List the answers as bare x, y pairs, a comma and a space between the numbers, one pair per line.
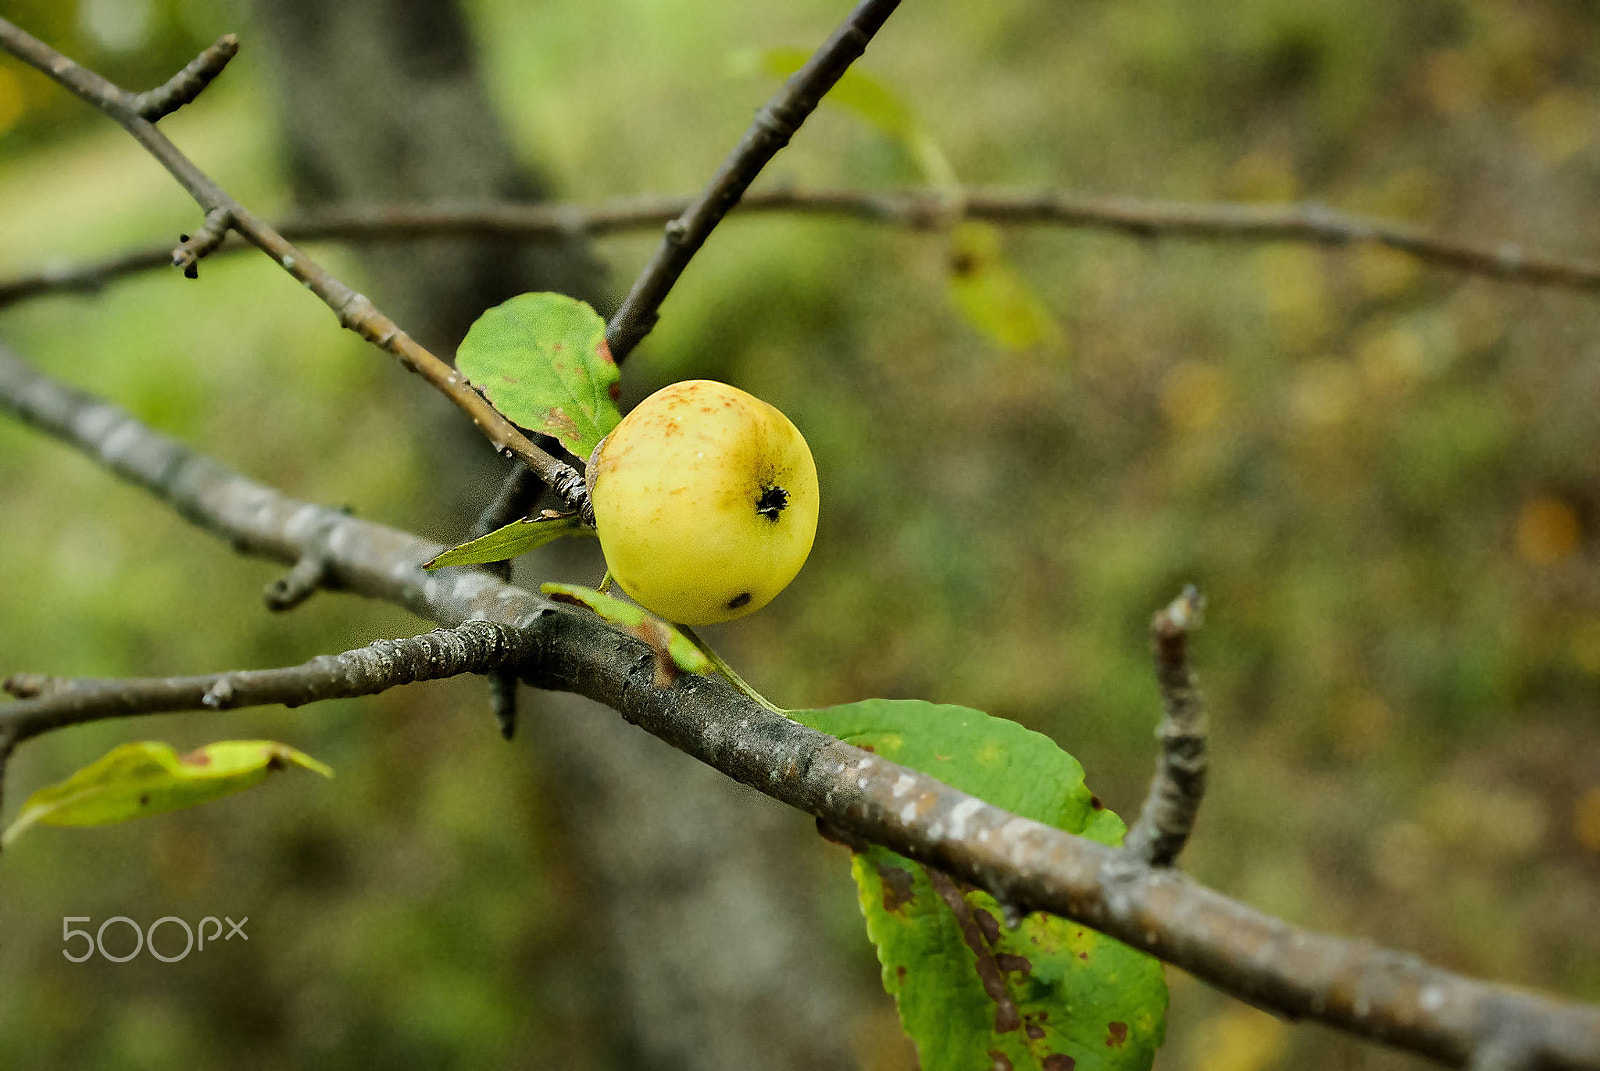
1384, 476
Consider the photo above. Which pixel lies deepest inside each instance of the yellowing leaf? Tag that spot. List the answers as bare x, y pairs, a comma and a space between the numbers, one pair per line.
1586, 818
145, 778
876, 103
661, 636
993, 297
1241, 1039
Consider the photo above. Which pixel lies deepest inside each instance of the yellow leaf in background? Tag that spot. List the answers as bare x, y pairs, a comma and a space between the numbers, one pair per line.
146, 778
873, 101
989, 293
1586, 818
12, 102
1547, 530
993, 297
1240, 1039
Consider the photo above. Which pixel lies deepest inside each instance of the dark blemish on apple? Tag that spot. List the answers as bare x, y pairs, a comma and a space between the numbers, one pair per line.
741, 599
772, 502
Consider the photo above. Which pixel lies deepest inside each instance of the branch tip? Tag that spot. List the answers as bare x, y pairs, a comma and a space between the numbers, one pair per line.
191, 248
774, 124
1170, 807
186, 85
309, 574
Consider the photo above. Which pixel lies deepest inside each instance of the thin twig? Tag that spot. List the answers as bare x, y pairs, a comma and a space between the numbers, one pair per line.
1179, 784
1369, 992
354, 310
186, 85
297, 585
473, 647
775, 123
917, 209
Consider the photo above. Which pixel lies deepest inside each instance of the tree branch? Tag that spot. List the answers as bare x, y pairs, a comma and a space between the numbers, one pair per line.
1170, 807
1373, 993
916, 209
518, 493
48, 703
354, 310
775, 123
186, 85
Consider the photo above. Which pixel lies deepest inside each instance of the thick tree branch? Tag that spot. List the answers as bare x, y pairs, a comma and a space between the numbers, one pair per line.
1369, 992
1169, 810
354, 310
473, 647
775, 123
916, 209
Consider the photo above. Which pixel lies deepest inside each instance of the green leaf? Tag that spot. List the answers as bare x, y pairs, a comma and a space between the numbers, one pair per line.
993, 297
659, 634
543, 361
518, 537
139, 779
1047, 996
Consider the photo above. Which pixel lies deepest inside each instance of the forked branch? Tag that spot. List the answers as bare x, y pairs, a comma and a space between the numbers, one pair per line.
223, 213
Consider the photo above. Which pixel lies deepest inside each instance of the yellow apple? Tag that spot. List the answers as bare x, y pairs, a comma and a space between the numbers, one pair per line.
705, 499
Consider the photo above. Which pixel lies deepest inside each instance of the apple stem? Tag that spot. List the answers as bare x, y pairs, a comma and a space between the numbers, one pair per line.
729, 672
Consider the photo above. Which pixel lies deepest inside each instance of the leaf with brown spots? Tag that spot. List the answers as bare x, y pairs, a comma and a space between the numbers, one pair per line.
970, 992
542, 360
140, 779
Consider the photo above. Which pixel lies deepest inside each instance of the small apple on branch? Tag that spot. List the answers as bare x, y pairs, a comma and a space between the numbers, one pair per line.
705, 497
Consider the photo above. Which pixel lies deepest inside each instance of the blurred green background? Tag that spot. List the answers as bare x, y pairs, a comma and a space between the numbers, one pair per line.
1386, 478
